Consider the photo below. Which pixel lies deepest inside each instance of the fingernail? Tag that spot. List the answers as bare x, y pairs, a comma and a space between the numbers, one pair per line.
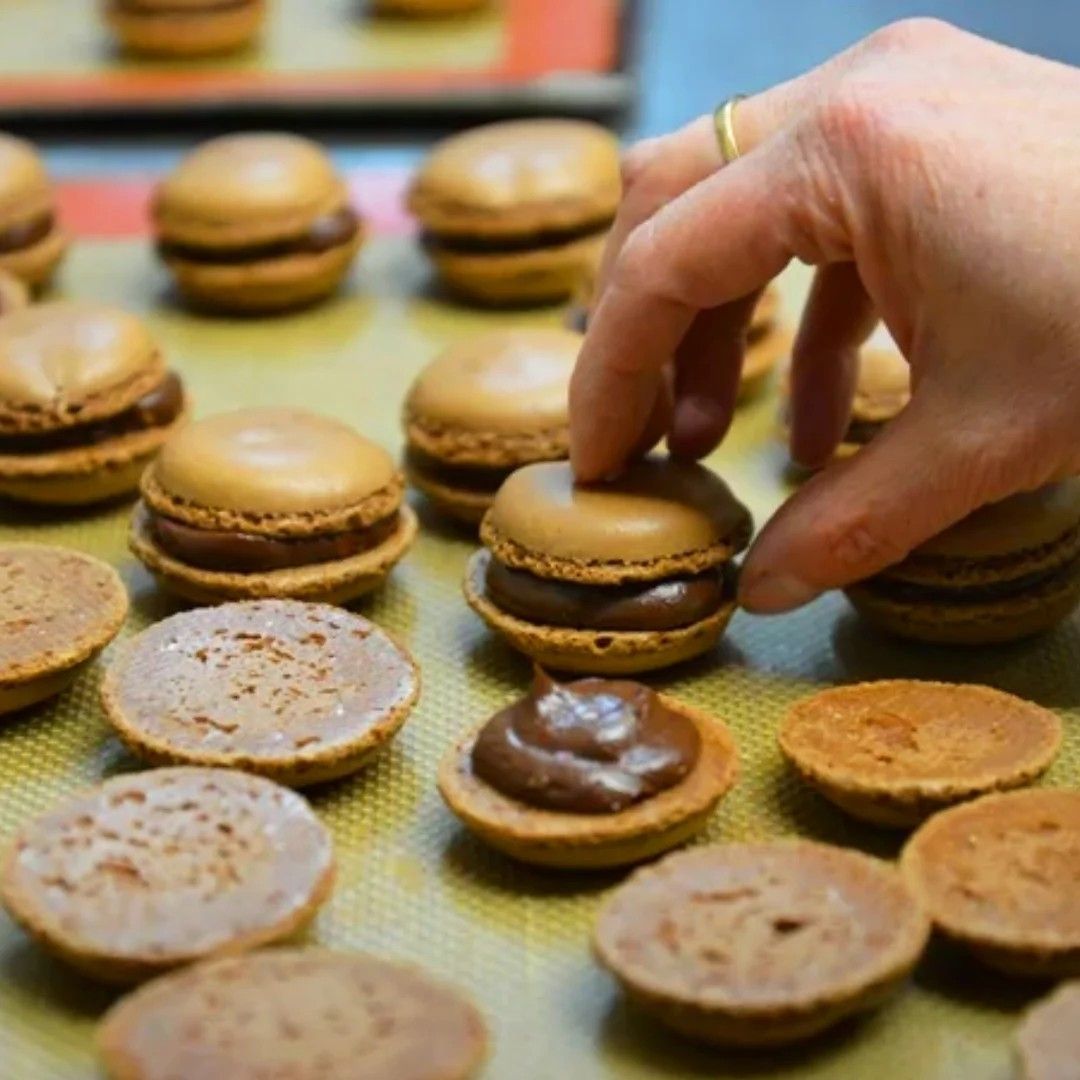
768, 594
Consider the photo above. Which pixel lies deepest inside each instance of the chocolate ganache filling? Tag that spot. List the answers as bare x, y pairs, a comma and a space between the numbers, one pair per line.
478, 478
156, 408
507, 245
240, 552
594, 746
323, 234
25, 234
649, 605
140, 7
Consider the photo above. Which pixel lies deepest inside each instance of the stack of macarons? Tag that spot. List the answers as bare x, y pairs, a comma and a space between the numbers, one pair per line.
31, 240
485, 406
512, 212
177, 28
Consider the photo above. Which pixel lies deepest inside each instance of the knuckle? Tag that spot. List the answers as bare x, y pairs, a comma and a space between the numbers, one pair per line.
636, 265
859, 543
856, 116
908, 34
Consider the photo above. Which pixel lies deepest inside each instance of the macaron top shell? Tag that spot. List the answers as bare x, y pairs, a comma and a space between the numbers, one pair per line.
660, 517
517, 177
25, 190
177, 5
247, 189
271, 462
68, 362
506, 380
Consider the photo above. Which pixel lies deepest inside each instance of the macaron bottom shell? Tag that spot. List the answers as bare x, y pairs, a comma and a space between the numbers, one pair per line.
593, 652
23, 695
186, 33
336, 582
77, 489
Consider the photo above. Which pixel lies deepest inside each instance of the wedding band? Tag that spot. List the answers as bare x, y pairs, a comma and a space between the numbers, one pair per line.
723, 121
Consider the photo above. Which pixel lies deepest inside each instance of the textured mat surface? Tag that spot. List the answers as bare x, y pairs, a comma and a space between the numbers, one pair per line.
411, 882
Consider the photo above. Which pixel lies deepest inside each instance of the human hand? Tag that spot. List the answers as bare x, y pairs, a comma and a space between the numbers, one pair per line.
932, 177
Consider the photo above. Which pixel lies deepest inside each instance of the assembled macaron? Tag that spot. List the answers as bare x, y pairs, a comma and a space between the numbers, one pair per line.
484, 407
593, 773
611, 578
178, 28
511, 212
256, 223
271, 502
58, 609
86, 401
1009, 570
32, 242
297, 692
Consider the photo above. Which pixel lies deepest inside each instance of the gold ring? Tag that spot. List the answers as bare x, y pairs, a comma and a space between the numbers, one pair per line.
723, 121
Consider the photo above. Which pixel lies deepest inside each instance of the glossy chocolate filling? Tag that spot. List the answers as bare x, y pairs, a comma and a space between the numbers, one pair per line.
650, 605
475, 478
595, 746
246, 553
507, 245
156, 408
134, 7
25, 234
323, 234
910, 593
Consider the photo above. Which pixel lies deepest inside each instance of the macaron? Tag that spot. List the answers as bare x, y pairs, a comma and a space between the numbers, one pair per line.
882, 391
427, 8
297, 692
271, 502
178, 28
86, 401
14, 295
896, 751
1001, 875
58, 609
294, 1013
256, 223
31, 241
1048, 1040
1010, 570
757, 944
609, 579
511, 212
486, 406
152, 870
593, 773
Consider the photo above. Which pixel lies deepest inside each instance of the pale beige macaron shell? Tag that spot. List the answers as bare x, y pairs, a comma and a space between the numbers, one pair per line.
58, 609
1048, 1040
1000, 875
737, 944
14, 295
26, 194
301, 1013
168, 866
894, 752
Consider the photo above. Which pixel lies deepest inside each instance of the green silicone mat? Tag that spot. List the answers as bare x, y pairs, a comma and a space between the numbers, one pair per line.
412, 883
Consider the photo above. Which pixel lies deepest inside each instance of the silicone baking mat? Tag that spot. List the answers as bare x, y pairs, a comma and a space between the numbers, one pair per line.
412, 882
326, 56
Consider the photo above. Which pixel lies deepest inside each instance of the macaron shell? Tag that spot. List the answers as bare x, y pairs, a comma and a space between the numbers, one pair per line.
14, 295
659, 518
69, 362
25, 188
187, 29
37, 263
544, 275
247, 189
883, 387
594, 841
518, 176
273, 471
338, 582
761, 360
593, 652
463, 504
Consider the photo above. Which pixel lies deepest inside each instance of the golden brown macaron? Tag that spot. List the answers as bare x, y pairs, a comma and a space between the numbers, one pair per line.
1007, 571
301, 1013
152, 870
1001, 875
610, 578
179, 28
757, 944
271, 502
896, 751
297, 692
591, 774
31, 241
86, 402
258, 222
512, 211
484, 407
426, 8
1048, 1041
58, 609
14, 295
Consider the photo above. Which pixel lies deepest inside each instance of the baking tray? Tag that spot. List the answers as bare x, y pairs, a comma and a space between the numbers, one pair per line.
412, 883
329, 58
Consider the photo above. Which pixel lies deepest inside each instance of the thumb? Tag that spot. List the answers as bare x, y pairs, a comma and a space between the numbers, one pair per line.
914, 480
